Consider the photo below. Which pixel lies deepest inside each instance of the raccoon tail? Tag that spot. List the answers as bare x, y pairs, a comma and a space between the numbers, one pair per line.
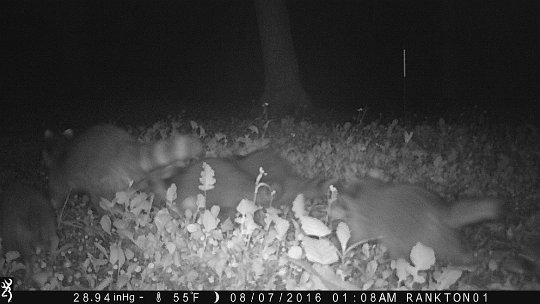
467, 212
179, 148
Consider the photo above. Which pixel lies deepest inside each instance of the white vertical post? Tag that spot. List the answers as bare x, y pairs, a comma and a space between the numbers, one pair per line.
404, 79
404, 63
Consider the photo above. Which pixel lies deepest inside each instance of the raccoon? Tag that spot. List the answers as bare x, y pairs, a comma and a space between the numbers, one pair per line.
403, 214
281, 176
527, 259
231, 186
27, 221
55, 146
530, 257
105, 159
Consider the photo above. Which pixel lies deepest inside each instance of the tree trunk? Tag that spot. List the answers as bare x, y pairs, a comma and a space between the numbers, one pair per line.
283, 91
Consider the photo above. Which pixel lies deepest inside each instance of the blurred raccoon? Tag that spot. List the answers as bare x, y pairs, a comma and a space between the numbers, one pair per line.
231, 186
402, 215
530, 257
530, 253
281, 176
526, 259
28, 221
105, 159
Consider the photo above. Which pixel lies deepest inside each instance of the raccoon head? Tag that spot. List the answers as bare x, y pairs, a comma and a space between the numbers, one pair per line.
55, 147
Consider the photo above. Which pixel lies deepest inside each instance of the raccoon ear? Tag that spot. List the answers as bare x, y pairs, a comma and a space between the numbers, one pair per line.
68, 134
48, 135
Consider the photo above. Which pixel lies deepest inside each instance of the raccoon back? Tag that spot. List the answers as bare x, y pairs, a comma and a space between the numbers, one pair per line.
281, 175
231, 186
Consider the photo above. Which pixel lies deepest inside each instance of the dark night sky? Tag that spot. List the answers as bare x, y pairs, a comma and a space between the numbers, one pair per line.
72, 63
